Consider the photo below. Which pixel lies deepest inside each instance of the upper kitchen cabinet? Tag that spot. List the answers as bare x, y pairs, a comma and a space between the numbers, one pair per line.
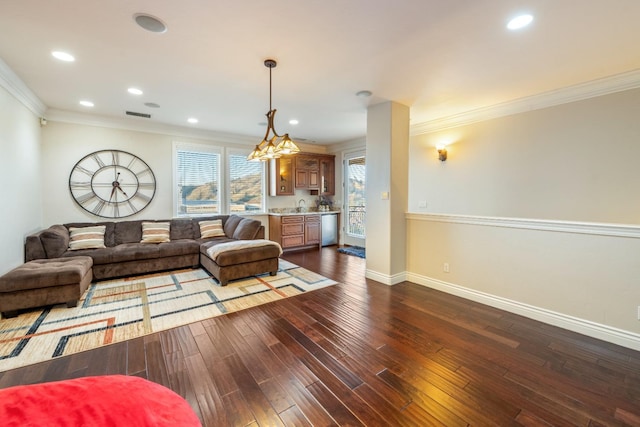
327, 176
313, 172
307, 172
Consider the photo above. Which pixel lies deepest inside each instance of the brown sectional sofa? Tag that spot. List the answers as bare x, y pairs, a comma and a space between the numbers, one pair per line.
54, 274
124, 255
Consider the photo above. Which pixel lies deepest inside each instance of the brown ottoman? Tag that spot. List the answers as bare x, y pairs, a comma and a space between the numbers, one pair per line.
45, 282
240, 258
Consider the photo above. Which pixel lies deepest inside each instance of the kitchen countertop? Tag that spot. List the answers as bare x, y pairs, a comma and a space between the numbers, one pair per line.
289, 212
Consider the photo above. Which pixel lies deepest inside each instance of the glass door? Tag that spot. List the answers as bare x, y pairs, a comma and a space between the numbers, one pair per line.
355, 199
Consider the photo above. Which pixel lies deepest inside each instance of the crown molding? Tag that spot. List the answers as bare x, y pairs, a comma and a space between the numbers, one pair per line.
591, 89
16, 87
138, 125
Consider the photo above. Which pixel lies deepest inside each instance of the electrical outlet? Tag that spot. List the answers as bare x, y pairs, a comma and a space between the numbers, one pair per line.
445, 268
422, 204
639, 312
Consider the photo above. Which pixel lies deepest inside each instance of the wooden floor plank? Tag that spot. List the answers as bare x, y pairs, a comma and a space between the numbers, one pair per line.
364, 353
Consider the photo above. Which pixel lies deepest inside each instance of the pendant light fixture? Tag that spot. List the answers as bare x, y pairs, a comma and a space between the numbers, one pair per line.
272, 147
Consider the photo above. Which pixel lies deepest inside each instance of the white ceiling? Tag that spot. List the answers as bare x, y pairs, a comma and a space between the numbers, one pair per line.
440, 57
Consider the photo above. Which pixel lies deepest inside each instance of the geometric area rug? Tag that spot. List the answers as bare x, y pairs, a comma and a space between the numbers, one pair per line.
116, 310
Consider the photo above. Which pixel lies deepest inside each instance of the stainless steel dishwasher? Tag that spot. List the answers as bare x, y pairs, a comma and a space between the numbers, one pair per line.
329, 229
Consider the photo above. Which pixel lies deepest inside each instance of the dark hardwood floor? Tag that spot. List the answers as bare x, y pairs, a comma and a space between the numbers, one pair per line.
362, 353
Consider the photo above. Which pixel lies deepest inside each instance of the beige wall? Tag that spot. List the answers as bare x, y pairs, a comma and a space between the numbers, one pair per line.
21, 211
576, 162
574, 165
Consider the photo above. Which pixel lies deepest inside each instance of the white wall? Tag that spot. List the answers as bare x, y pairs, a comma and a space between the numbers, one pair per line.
570, 168
20, 168
65, 143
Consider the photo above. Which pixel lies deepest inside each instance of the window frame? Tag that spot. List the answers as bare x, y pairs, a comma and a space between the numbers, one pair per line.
224, 177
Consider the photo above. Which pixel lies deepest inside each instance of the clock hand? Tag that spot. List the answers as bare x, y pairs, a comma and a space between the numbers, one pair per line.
125, 194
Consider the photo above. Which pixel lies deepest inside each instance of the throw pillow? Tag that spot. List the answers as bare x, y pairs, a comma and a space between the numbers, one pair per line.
55, 240
231, 224
211, 228
86, 237
155, 232
247, 229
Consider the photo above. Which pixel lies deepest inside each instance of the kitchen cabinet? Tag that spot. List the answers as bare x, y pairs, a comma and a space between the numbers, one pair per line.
307, 172
281, 177
313, 172
327, 176
312, 230
295, 231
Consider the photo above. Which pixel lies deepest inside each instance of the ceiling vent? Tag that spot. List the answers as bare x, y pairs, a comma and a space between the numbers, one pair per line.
133, 113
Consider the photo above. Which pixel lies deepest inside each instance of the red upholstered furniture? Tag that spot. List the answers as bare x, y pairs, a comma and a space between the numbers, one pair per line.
113, 400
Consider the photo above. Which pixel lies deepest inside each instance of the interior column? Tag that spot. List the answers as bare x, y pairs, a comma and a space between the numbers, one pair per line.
387, 191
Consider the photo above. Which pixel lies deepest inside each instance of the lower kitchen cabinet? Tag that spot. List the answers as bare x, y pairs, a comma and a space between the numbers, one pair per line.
295, 231
312, 234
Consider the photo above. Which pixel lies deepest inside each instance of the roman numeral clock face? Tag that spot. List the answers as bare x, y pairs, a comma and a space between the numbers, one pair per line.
112, 184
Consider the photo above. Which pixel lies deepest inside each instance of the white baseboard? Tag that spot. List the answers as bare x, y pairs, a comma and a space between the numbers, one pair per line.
595, 330
385, 278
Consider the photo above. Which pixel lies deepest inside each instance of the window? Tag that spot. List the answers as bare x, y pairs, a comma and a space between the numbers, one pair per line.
198, 181
246, 184
203, 188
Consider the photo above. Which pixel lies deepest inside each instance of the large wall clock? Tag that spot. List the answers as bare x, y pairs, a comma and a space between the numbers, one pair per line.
112, 183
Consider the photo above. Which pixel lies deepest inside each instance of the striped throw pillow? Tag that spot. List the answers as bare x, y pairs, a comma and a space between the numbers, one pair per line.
86, 237
155, 232
211, 228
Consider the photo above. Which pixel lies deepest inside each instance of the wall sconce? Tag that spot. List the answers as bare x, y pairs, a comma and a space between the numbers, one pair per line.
442, 152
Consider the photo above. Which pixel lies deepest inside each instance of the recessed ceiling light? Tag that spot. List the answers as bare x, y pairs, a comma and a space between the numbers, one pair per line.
293, 122
364, 93
63, 56
150, 23
134, 91
192, 120
86, 103
520, 21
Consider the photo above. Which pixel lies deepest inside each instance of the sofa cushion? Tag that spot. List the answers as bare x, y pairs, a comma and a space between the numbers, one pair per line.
231, 224
155, 232
140, 251
247, 229
86, 237
99, 256
209, 229
55, 240
128, 232
181, 228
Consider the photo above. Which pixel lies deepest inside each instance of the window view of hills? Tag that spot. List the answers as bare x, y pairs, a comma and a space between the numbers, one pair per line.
245, 195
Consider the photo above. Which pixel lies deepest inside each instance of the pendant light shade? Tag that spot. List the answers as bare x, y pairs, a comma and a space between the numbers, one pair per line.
272, 147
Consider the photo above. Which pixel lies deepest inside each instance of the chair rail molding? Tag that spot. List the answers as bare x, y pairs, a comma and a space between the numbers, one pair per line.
593, 228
